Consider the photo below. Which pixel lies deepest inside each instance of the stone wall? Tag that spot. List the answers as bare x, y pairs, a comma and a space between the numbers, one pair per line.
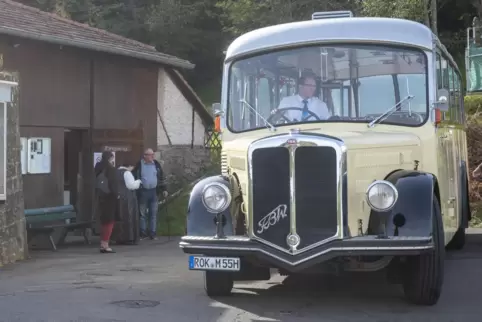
183, 164
13, 236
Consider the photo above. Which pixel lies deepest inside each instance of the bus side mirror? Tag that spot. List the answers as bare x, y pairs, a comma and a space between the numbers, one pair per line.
442, 103
218, 112
217, 109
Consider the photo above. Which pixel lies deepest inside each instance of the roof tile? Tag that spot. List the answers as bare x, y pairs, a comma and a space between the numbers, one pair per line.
23, 21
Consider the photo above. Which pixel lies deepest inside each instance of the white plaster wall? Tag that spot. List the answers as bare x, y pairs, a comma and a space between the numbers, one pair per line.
198, 131
176, 113
161, 135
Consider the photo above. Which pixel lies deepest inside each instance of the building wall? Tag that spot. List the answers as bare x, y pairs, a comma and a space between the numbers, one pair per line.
184, 157
46, 190
125, 96
13, 236
177, 114
56, 95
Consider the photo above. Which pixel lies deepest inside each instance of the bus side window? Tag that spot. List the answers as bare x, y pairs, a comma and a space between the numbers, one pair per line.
445, 82
439, 72
459, 107
453, 109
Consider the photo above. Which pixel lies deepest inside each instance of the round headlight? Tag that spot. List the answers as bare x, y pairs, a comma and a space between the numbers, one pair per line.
216, 197
381, 195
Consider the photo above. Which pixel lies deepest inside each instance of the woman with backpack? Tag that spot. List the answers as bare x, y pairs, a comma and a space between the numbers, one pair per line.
107, 198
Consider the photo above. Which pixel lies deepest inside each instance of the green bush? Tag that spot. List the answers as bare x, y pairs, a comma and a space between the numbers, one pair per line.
473, 103
171, 219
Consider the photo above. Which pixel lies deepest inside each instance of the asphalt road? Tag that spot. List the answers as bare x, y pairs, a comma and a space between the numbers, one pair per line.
151, 282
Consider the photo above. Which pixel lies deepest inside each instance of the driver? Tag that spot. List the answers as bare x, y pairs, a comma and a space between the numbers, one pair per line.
305, 100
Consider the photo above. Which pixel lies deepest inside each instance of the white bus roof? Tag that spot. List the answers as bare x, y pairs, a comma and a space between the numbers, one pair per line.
369, 29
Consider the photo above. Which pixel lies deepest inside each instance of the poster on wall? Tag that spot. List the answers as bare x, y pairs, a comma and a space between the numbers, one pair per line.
39, 155
98, 157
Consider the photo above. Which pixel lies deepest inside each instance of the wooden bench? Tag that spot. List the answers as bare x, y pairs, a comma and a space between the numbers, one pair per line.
44, 221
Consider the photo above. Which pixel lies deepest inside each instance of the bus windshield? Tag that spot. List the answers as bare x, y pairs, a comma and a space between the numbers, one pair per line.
345, 83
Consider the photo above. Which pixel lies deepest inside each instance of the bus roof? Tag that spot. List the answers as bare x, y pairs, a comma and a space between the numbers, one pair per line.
389, 30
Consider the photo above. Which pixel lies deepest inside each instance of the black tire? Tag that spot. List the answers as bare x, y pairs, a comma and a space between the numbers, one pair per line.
458, 241
424, 274
218, 283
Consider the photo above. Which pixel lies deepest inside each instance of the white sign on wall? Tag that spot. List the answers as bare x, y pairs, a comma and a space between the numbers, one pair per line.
39, 155
97, 157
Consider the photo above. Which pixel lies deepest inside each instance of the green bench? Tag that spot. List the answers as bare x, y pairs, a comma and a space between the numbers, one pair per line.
44, 221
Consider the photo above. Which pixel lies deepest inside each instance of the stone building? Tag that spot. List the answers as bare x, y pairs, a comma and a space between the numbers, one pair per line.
12, 224
82, 91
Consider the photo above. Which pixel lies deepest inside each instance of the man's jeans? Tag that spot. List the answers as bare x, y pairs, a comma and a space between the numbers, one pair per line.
148, 209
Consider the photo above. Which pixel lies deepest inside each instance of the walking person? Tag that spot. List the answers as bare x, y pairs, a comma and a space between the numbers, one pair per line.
149, 171
107, 198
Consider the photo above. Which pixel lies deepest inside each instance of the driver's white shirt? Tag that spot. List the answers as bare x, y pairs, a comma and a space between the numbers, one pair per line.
315, 105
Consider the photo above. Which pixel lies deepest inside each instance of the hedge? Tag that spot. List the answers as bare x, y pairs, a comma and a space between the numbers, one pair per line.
473, 108
473, 103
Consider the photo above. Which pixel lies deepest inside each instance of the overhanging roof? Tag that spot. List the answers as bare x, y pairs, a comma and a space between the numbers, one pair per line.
27, 22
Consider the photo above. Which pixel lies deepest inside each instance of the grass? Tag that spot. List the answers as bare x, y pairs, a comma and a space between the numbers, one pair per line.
171, 218
476, 221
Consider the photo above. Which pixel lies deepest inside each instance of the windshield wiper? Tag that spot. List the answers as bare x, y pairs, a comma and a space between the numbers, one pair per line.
271, 127
390, 110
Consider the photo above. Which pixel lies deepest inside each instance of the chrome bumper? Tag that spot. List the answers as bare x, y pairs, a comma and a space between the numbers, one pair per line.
356, 246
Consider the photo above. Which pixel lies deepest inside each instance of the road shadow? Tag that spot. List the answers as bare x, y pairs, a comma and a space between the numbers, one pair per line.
357, 294
365, 296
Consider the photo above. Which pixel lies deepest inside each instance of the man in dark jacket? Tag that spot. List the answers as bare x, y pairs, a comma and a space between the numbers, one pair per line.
150, 173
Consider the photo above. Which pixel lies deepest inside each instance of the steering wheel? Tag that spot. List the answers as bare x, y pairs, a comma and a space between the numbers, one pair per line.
279, 113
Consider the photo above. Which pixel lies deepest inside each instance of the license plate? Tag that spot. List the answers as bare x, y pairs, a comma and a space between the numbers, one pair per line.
214, 263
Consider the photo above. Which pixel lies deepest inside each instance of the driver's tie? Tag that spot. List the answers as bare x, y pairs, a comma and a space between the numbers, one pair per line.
305, 113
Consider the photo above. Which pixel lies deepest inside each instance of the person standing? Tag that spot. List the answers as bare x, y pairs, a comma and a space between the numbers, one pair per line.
107, 198
127, 229
149, 171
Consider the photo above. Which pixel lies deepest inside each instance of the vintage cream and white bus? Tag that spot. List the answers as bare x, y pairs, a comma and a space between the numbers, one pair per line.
344, 148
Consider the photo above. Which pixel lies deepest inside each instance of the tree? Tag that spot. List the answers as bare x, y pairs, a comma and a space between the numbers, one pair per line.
240, 16
423, 11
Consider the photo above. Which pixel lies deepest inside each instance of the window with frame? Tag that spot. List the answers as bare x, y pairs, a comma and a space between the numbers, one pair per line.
439, 71
458, 105
3, 148
452, 113
356, 82
448, 78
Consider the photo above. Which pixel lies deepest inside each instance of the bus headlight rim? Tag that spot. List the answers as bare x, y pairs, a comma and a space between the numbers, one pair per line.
391, 194
216, 193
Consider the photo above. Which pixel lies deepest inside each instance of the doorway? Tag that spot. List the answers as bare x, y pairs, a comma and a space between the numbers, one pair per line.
73, 147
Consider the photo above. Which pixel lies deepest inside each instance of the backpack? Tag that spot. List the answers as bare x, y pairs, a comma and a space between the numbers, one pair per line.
102, 184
